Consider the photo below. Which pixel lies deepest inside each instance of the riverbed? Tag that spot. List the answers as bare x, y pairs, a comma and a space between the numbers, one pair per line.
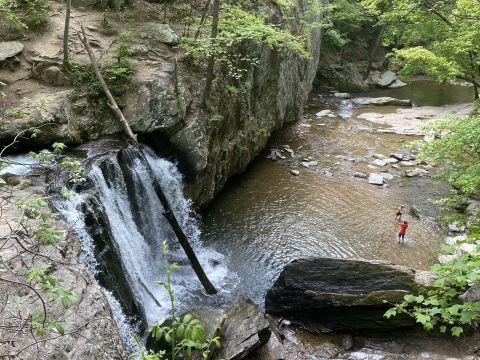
267, 217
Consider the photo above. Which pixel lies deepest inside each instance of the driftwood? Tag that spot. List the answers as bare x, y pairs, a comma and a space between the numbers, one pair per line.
169, 215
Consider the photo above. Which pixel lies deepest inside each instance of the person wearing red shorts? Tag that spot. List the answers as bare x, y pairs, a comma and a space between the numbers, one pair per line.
403, 230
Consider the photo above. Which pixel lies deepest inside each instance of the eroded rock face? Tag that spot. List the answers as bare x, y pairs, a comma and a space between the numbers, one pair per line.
343, 294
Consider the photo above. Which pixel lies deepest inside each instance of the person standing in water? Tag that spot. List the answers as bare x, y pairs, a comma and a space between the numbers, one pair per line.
403, 230
399, 213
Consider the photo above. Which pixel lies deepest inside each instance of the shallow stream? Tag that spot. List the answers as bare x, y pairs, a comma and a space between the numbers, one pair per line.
268, 217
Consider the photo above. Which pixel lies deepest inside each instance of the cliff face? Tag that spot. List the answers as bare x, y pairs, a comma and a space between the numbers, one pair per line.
273, 93
162, 104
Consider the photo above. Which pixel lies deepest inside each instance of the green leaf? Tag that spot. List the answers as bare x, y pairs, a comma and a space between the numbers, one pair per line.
390, 312
456, 331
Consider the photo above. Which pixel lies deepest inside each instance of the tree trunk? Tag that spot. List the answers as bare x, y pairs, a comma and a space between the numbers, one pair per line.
211, 60
65, 34
375, 47
182, 238
202, 20
111, 101
475, 88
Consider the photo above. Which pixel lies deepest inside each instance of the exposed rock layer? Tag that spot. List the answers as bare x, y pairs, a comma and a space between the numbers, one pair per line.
343, 294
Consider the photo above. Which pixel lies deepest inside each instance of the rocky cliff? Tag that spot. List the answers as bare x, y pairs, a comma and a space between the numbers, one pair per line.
163, 101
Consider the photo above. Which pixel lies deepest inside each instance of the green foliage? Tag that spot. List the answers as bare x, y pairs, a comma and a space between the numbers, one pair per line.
184, 334
122, 50
456, 149
19, 15
118, 77
439, 307
235, 29
39, 220
73, 168
438, 38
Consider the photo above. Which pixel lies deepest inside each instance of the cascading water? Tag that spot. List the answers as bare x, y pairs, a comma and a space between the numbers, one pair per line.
121, 205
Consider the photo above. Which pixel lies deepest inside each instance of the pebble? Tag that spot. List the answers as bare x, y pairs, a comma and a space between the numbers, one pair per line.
360, 175
407, 163
295, 172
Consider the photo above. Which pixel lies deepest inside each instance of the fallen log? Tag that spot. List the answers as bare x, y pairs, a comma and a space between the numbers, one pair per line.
169, 214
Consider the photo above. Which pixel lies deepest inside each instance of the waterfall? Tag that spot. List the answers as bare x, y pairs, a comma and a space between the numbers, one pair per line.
118, 219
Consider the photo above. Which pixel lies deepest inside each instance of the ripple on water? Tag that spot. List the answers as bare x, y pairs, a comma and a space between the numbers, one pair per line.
274, 217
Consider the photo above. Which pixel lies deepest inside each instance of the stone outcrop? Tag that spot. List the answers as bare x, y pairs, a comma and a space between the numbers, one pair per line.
341, 77
9, 49
343, 294
381, 101
163, 103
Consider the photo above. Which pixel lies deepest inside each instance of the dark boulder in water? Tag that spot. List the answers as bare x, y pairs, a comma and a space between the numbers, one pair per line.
343, 294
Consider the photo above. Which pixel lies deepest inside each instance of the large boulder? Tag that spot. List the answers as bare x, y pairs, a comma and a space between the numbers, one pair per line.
9, 49
343, 294
386, 79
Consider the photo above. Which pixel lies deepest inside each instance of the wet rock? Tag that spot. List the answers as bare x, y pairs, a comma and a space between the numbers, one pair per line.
397, 84
416, 172
321, 124
376, 179
407, 163
360, 175
295, 172
398, 156
379, 162
452, 240
244, 330
10, 49
391, 160
273, 350
323, 113
379, 156
386, 79
287, 149
381, 101
343, 294
342, 95
387, 176
279, 155
327, 173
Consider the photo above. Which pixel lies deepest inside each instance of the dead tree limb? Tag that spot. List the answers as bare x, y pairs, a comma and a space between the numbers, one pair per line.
170, 216
65, 34
112, 104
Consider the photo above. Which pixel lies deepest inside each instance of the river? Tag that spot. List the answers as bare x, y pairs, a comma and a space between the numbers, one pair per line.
267, 217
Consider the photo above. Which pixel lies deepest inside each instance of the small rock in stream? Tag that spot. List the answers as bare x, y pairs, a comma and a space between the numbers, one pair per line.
323, 113
416, 172
407, 163
379, 156
376, 179
398, 156
379, 162
387, 176
360, 175
347, 342
295, 172
342, 95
